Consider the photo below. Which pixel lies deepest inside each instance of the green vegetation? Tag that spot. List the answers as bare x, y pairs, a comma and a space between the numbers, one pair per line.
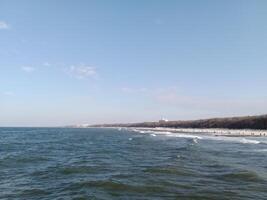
248, 122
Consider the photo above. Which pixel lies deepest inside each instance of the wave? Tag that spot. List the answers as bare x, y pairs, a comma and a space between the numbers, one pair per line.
247, 176
260, 150
13, 161
11, 131
170, 134
78, 170
145, 131
114, 186
34, 192
247, 141
187, 136
171, 171
233, 139
179, 135
197, 137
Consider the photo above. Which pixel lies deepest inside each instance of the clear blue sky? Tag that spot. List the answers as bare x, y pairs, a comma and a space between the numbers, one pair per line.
81, 61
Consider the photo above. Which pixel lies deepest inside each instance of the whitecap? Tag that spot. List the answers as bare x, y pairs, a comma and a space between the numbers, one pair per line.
195, 140
233, 139
163, 132
187, 136
247, 141
142, 131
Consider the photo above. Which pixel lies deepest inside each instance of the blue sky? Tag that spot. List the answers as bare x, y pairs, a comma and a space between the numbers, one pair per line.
82, 61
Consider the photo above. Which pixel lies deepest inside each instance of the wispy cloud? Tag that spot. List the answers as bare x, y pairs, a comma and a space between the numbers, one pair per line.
82, 71
4, 25
28, 69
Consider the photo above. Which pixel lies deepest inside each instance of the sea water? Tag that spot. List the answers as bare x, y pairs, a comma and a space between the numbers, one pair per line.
65, 163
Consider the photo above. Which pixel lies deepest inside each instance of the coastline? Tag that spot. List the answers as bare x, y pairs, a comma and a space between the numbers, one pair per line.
211, 131
228, 126
201, 131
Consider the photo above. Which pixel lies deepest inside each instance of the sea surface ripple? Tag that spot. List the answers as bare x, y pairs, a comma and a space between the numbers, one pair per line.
65, 163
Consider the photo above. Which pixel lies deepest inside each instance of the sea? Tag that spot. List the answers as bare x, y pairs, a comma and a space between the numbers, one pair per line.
102, 163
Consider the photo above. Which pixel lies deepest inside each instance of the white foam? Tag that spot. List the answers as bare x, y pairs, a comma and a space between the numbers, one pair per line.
153, 132
221, 138
170, 134
247, 141
195, 137
163, 132
143, 132
212, 131
134, 130
195, 140
233, 139
186, 136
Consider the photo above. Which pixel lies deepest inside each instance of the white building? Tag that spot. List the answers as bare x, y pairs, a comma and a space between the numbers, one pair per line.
162, 120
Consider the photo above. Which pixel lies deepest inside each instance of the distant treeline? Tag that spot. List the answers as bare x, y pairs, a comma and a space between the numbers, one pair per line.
249, 122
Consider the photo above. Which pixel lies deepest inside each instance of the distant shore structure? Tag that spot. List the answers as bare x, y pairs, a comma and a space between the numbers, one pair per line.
257, 122
162, 120
82, 125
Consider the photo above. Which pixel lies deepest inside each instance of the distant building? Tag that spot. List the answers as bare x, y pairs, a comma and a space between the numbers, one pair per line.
163, 120
82, 125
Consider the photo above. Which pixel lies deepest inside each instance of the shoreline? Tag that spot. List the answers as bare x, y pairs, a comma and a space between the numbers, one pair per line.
200, 131
211, 131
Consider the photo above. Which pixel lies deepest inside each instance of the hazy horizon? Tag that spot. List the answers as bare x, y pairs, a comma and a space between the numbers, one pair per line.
75, 62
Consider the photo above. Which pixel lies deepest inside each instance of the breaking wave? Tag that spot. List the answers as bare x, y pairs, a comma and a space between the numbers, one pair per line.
206, 137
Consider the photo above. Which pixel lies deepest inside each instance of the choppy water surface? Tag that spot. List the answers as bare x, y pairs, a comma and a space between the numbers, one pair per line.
42, 163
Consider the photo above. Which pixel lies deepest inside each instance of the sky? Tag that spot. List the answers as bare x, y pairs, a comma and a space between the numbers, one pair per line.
66, 62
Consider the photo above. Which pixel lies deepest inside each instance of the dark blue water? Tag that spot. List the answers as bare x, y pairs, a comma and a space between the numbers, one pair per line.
46, 163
